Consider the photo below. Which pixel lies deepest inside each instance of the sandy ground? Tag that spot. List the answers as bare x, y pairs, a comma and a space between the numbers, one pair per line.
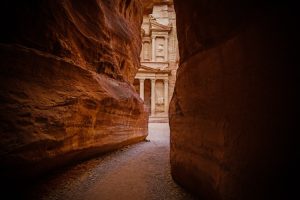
140, 171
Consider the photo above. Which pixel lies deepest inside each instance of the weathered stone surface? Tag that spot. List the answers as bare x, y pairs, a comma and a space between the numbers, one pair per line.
66, 70
232, 111
148, 4
101, 36
159, 58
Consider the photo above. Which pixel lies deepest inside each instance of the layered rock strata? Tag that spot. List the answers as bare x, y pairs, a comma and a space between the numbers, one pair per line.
66, 71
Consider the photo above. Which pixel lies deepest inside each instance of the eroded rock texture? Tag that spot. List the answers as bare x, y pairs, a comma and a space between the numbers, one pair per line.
231, 115
148, 4
66, 70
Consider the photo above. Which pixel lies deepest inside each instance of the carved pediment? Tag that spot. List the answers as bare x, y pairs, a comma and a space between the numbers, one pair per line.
152, 70
154, 25
148, 69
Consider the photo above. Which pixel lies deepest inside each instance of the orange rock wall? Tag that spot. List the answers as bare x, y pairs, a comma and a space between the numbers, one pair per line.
231, 114
66, 71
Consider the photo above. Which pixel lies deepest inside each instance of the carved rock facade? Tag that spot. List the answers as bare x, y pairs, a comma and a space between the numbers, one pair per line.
155, 79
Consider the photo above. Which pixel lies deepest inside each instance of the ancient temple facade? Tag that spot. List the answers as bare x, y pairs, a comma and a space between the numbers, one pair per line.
156, 77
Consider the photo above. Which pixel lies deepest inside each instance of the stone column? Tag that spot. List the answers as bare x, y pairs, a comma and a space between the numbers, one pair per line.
153, 49
142, 81
166, 95
146, 51
152, 97
142, 52
166, 48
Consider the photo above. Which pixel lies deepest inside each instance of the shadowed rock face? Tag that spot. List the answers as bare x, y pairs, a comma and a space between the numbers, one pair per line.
66, 69
148, 4
231, 115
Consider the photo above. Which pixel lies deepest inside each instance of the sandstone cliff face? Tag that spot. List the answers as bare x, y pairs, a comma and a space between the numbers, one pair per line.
101, 36
66, 70
148, 4
232, 107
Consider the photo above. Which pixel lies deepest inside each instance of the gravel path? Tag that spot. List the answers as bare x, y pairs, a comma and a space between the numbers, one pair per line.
140, 171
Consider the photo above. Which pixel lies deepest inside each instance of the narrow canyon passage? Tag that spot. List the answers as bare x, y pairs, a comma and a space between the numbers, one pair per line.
140, 171
80, 79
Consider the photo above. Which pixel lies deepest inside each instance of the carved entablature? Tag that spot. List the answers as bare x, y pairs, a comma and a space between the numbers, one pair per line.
155, 34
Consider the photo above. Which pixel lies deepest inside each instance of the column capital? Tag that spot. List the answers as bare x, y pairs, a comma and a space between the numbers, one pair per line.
142, 79
153, 79
166, 80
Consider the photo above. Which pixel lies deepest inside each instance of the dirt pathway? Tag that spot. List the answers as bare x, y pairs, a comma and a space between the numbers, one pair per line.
140, 171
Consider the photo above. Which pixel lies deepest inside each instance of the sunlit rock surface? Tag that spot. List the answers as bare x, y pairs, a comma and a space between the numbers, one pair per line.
66, 71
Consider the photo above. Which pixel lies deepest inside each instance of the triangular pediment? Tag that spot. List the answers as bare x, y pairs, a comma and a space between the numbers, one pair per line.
144, 68
148, 69
159, 27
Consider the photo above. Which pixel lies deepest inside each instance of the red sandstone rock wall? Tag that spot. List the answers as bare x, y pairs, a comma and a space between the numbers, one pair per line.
148, 4
231, 113
66, 68
101, 36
